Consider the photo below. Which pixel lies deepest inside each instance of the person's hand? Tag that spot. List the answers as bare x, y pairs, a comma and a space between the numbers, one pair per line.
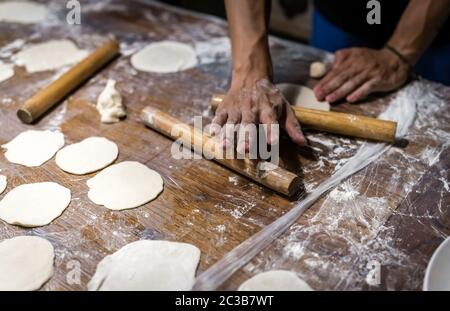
256, 102
359, 72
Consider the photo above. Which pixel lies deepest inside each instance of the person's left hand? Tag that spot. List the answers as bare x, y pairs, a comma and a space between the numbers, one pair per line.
358, 72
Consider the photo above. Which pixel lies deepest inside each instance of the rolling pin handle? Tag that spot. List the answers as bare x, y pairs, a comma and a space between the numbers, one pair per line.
25, 116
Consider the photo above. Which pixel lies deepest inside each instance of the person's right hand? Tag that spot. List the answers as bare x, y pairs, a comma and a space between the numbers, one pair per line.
256, 101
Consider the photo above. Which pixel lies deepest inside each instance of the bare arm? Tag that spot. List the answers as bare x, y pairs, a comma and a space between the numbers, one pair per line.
252, 98
419, 26
358, 72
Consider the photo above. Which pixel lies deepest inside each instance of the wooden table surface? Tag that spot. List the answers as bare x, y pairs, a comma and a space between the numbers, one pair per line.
395, 211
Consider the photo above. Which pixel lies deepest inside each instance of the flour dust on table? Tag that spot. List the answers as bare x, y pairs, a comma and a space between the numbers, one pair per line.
276, 280
50, 55
26, 263
22, 12
33, 148
34, 205
165, 57
110, 104
148, 266
124, 186
87, 156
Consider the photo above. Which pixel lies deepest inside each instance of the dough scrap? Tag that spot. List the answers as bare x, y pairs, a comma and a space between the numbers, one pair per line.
26, 263
276, 280
6, 71
33, 148
34, 205
165, 57
317, 70
3, 183
148, 266
87, 156
124, 186
302, 96
22, 12
110, 105
50, 55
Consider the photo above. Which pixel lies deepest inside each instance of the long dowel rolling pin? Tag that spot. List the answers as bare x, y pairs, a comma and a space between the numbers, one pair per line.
273, 177
46, 98
339, 123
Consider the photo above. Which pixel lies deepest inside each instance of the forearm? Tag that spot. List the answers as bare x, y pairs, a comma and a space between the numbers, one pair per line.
418, 26
248, 23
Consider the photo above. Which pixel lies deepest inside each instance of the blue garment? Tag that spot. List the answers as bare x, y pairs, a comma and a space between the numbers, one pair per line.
433, 65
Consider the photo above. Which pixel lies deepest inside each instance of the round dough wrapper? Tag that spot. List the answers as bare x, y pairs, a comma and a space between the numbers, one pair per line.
302, 96
50, 55
23, 12
277, 280
6, 72
3, 183
26, 263
125, 185
87, 156
34, 205
33, 148
165, 57
148, 266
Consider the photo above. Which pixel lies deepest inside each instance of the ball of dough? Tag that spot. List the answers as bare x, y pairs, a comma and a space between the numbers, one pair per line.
90, 155
34, 205
125, 185
165, 57
148, 266
33, 148
26, 263
110, 104
277, 280
317, 70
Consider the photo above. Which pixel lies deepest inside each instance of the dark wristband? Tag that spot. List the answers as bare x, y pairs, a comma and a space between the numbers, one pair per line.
412, 74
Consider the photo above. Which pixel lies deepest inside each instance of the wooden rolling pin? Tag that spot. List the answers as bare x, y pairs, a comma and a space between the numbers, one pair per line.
265, 173
339, 123
46, 98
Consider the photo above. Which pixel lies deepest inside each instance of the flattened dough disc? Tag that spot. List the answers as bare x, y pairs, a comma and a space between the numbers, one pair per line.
33, 148
302, 96
125, 185
26, 263
165, 57
50, 55
276, 280
148, 266
23, 12
3, 183
34, 205
87, 156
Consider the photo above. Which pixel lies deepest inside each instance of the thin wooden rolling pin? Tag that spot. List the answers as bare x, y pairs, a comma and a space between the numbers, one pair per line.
273, 177
339, 123
46, 98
